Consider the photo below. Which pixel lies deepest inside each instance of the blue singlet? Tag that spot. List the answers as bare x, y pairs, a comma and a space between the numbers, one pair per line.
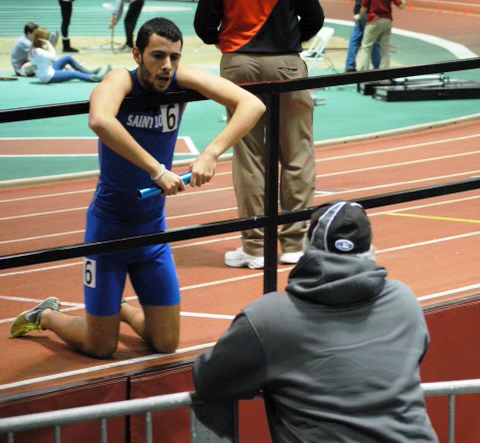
116, 212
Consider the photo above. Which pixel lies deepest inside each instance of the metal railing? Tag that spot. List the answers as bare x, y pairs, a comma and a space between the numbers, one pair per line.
209, 423
451, 389
202, 430
271, 219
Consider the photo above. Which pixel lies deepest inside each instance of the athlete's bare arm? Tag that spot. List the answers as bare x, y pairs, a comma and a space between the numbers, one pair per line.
246, 110
105, 101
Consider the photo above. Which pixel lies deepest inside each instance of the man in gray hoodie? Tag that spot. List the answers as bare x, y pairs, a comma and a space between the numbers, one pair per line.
337, 354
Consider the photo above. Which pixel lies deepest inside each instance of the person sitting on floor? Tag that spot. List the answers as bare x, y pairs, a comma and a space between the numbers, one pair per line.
21, 47
51, 69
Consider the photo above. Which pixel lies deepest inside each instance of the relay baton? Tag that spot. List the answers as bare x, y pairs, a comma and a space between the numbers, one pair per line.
156, 190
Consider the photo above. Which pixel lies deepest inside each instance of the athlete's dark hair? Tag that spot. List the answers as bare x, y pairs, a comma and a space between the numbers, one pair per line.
29, 27
160, 26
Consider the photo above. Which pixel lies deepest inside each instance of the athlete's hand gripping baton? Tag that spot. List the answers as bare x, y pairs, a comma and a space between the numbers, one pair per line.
156, 190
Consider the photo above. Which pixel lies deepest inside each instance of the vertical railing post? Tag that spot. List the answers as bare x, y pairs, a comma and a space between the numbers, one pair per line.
103, 431
451, 418
57, 434
271, 192
214, 423
148, 427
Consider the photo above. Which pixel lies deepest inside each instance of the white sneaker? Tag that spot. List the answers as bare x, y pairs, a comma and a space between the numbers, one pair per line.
240, 259
290, 258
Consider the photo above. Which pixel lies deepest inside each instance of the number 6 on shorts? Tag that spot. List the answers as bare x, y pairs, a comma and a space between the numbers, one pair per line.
89, 272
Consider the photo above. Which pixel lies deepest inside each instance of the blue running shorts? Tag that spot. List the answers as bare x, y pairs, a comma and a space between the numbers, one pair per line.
151, 269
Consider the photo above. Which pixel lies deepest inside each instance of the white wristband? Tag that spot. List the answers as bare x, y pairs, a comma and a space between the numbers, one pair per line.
162, 171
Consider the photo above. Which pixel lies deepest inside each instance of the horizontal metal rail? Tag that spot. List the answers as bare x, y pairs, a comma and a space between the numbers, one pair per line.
451, 387
94, 412
222, 227
318, 82
56, 419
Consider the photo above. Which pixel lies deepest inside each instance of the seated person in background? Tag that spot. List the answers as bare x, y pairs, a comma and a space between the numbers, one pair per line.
19, 53
337, 354
50, 69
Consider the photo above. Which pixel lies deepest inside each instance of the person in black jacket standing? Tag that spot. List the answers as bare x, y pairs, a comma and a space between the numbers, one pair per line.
260, 40
337, 354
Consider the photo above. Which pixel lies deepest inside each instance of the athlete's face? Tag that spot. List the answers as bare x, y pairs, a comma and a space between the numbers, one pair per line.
158, 63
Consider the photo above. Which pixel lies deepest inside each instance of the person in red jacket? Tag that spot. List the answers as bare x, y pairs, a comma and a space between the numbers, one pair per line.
378, 27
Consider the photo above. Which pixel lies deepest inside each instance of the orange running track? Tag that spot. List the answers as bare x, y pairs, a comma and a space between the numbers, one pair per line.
427, 244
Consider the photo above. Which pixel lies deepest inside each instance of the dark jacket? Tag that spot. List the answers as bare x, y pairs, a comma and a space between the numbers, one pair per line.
357, 6
258, 26
337, 356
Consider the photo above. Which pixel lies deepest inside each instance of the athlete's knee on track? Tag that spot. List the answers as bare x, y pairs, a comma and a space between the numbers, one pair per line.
103, 350
166, 344
101, 339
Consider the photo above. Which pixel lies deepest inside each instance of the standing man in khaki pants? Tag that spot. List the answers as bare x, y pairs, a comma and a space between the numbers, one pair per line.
378, 27
261, 41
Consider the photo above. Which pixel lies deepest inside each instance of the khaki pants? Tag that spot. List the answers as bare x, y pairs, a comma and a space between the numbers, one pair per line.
380, 29
297, 160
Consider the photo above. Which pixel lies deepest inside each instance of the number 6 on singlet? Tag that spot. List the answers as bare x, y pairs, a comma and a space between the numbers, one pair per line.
169, 117
89, 272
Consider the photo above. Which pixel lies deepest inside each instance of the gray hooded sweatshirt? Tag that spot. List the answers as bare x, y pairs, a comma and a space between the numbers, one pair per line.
336, 356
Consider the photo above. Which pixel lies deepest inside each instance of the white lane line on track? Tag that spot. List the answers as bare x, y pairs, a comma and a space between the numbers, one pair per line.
395, 165
9, 320
91, 190
80, 231
449, 292
40, 214
182, 194
399, 148
40, 237
60, 211
429, 242
36, 197
98, 368
353, 171
427, 205
68, 307
340, 157
46, 268
410, 182
36, 300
